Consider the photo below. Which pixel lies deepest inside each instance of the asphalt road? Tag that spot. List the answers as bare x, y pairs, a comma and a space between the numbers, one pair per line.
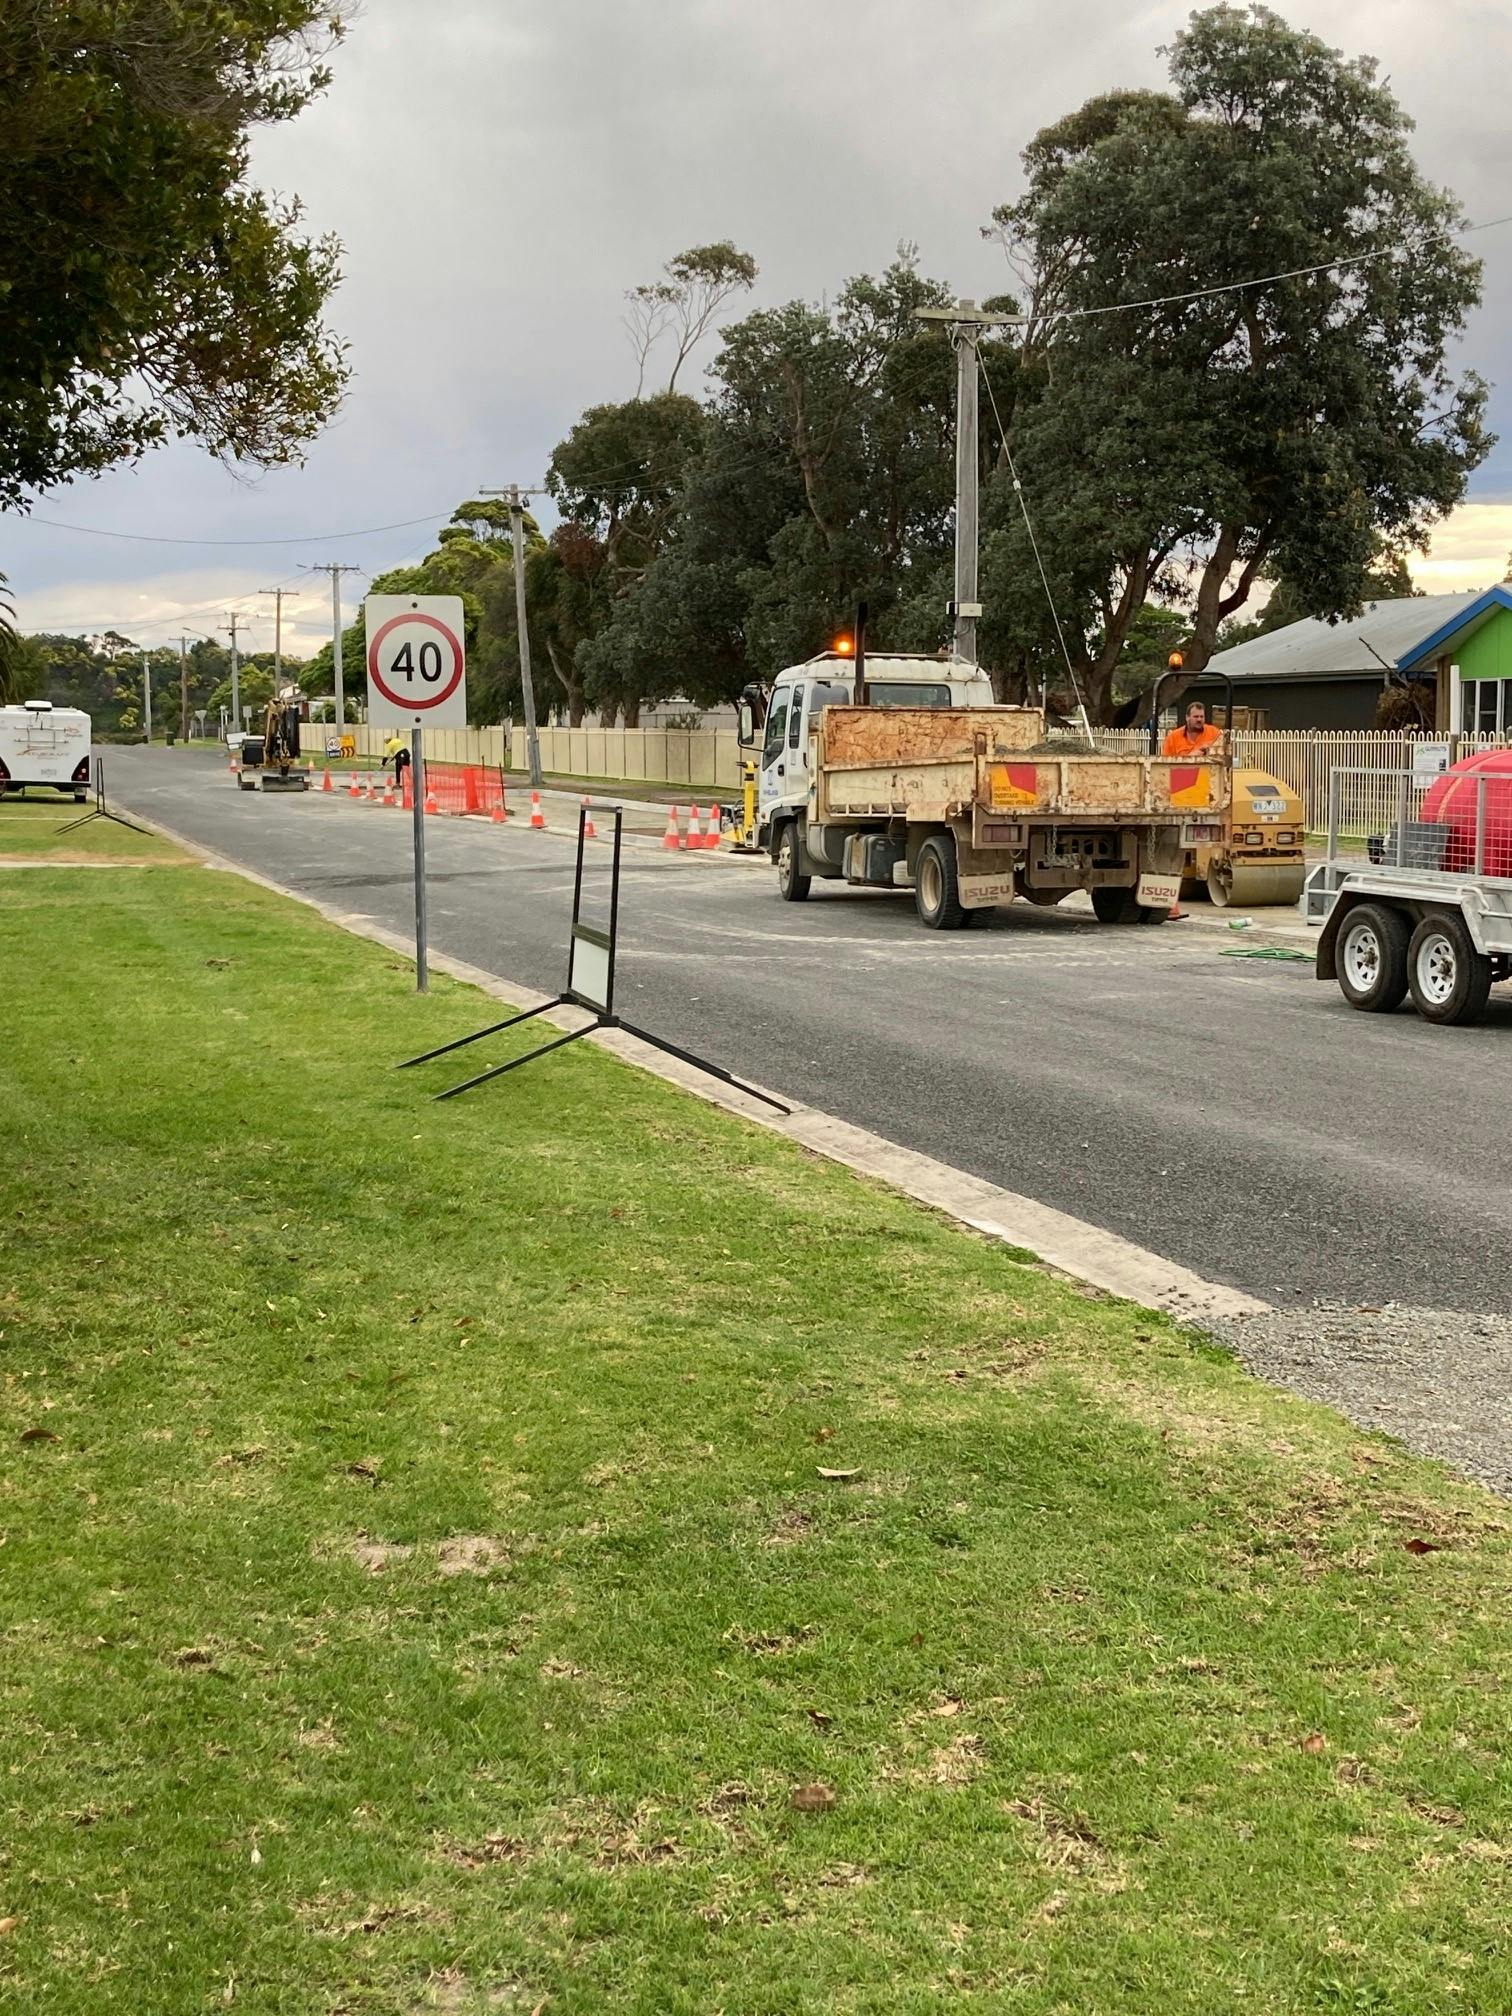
1233, 1115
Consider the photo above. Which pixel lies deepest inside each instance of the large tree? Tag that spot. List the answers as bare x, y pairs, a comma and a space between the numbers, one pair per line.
825, 476
693, 288
1179, 428
149, 290
619, 480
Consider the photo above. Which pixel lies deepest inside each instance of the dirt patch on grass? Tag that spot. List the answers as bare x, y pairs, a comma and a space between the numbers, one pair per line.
469, 1554
790, 1528
955, 1763
378, 1556
452, 1993
460, 1554
1063, 1841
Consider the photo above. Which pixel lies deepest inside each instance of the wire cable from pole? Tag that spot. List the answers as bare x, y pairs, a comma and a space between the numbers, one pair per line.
1018, 491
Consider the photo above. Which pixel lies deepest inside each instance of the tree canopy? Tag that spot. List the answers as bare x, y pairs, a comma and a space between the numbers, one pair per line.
1177, 428
149, 290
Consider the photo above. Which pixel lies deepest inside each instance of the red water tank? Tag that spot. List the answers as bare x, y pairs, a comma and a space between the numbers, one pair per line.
1451, 800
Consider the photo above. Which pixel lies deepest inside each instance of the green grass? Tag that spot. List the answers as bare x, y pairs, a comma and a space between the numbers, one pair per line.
29, 830
419, 1589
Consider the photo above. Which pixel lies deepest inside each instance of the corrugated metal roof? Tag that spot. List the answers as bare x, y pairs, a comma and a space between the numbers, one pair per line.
1312, 649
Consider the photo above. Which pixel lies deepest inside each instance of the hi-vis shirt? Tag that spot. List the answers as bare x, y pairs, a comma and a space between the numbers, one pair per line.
1179, 743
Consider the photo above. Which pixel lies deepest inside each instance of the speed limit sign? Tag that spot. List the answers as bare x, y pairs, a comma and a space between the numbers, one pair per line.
416, 667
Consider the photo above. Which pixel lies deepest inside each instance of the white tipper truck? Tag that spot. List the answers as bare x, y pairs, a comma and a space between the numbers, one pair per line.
930, 786
46, 746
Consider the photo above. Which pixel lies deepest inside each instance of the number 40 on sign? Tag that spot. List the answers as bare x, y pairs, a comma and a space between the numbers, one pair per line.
416, 666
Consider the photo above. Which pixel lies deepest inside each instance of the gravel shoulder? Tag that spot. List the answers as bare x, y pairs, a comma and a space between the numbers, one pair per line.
1440, 1380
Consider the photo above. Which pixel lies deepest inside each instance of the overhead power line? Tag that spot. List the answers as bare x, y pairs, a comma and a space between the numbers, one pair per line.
1018, 491
1262, 280
304, 538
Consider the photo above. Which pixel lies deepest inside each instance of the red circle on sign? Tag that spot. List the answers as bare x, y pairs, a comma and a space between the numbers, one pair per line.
407, 701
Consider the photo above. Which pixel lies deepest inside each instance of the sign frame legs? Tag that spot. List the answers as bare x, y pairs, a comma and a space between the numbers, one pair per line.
591, 964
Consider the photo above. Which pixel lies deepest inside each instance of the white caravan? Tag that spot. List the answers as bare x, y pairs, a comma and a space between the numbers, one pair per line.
46, 746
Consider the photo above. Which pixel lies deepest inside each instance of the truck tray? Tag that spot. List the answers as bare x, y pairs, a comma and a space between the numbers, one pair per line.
932, 764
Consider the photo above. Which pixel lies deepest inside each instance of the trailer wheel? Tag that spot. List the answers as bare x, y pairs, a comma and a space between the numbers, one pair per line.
1371, 958
1449, 979
936, 891
792, 884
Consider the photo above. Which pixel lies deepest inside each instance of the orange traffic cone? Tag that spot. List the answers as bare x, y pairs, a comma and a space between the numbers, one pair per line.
354, 789
670, 838
430, 800
712, 837
537, 816
590, 832
695, 837
372, 792
388, 790
326, 784
496, 817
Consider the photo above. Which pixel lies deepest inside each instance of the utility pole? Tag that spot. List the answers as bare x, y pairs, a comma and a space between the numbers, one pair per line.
147, 693
336, 570
966, 322
183, 688
516, 498
278, 595
233, 619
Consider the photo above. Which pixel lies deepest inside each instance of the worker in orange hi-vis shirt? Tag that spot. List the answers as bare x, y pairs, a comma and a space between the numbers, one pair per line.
1196, 734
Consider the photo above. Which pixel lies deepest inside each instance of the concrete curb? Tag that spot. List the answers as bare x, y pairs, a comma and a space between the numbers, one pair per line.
1066, 1244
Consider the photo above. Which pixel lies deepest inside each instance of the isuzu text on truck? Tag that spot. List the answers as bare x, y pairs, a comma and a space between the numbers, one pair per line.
929, 785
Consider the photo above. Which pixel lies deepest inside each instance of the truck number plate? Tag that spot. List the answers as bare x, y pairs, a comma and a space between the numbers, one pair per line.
1158, 892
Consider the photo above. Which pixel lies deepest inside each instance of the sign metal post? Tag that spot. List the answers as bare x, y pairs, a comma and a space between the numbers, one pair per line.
417, 679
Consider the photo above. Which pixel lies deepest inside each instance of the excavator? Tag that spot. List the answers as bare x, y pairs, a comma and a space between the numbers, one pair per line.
273, 756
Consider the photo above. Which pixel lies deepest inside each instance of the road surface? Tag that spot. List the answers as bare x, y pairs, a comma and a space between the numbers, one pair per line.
1234, 1115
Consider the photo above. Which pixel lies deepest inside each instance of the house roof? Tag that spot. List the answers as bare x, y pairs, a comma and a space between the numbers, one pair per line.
1482, 608
1402, 632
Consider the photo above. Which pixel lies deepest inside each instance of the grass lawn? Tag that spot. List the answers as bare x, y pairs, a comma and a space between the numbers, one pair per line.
29, 831
421, 1587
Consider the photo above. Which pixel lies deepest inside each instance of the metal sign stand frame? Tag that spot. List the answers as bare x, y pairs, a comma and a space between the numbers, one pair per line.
590, 985
100, 810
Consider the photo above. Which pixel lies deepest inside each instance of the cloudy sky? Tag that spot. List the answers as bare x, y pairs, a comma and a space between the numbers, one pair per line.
501, 173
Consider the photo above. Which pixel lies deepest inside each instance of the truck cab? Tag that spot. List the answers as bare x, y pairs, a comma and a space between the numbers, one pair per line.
801, 693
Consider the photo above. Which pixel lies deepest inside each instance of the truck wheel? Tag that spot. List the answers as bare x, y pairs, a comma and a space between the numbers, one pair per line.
1448, 977
1371, 958
937, 893
1122, 906
792, 884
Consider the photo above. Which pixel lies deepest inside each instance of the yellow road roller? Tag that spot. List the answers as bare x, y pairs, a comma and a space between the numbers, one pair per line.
1260, 859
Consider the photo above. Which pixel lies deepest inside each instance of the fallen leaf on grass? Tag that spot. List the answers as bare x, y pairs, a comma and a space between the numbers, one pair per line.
839, 1476
47, 1435
812, 1799
818, 1717
824, 1435
949, 1706
1315, 1744
1416, 1546
193, 1655
367, 1470
7, 1926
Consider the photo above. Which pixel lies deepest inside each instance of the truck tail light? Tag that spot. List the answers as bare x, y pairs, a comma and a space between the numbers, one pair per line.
4, 773
81, 771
